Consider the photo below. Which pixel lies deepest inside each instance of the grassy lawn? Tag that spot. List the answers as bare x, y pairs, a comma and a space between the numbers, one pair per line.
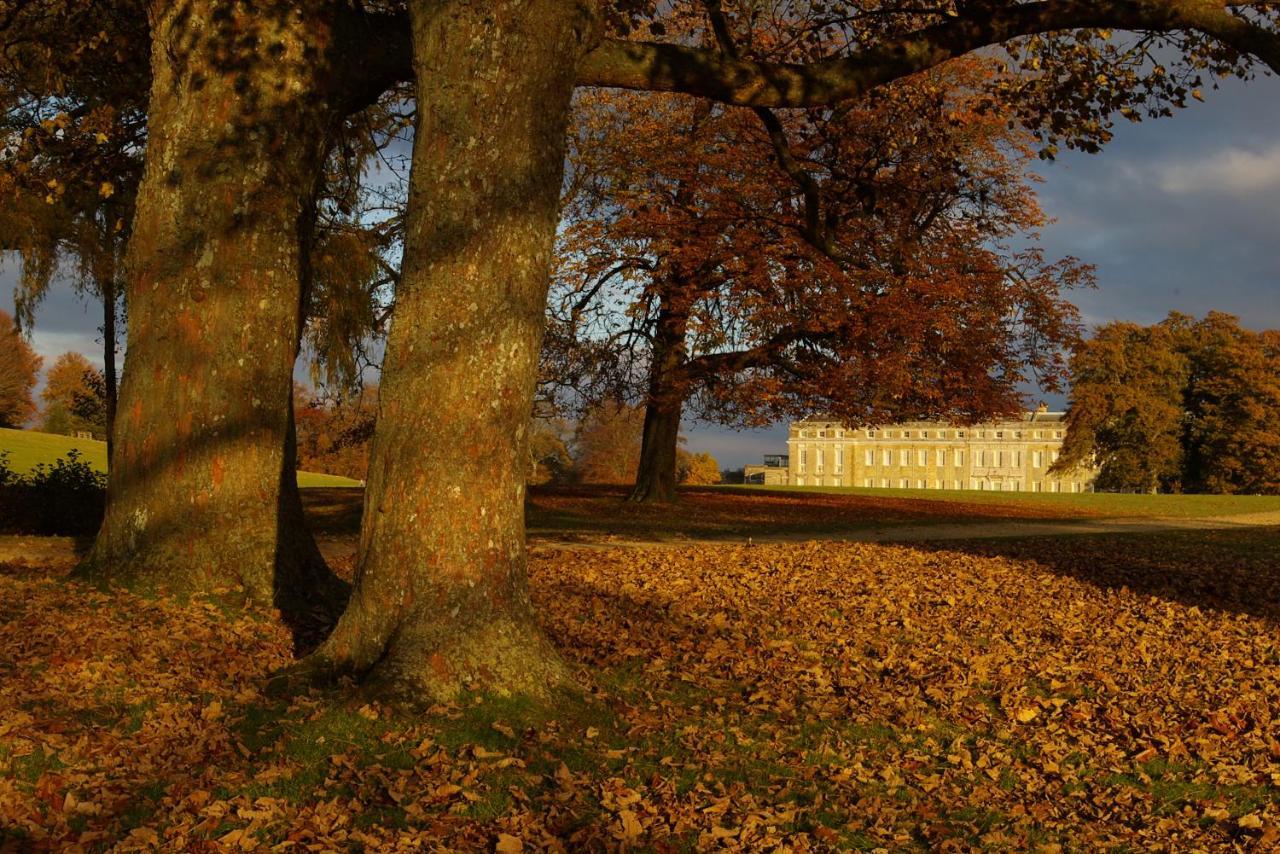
1090, 694
1096, 504
29, 448
600, 512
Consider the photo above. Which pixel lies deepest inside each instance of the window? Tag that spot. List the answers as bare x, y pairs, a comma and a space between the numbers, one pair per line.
955, 484
981, 458
999, 434
924, 434
1017, 459
1017, 486
884, 483
999, 459
959, 455
1017, 434
982, 485
1057, 434
886, 458
919, 484
906, 434
800, 481
941, 459
839, 434
937, 484
871, 434
804, 456
839, 460
867, 483
1057, 486
997, 487
869, 458
1075, 487
904, 457
1053, 456
902, 484
1037, 460
959, 434
1039, 434
922, 457
818, 460
1037, 487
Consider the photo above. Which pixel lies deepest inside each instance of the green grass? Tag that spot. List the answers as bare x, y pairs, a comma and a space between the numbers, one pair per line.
29, 448
1103, 503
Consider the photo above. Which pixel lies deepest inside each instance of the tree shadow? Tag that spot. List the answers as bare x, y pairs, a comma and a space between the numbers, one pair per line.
1234, 571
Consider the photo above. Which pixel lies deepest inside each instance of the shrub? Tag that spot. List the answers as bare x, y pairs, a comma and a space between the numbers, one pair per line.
66, 498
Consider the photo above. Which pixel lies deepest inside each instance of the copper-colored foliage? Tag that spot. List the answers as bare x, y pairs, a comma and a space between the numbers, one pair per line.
1087, 693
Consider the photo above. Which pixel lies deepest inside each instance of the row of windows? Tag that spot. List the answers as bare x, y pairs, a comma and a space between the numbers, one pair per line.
974, 483
981, 458
928, 434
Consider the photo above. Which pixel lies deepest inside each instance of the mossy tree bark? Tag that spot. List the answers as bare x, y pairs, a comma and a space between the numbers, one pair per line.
202, 495
441, 603
668, 383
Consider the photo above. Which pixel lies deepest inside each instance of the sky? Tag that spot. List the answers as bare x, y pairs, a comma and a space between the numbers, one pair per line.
1177, 214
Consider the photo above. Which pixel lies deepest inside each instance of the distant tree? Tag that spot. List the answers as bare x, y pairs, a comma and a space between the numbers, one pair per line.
607, 444
19, 369
1232, 401
69, 390
549, 458
1181, 406
702, 470
92, 404
1125, 409
335, 429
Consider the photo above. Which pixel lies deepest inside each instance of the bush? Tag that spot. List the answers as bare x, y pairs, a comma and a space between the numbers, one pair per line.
66, 498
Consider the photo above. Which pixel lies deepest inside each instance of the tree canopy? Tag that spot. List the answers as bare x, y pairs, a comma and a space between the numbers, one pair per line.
1182, 406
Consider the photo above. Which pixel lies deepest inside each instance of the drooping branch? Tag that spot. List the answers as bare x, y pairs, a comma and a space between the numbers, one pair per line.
698, 71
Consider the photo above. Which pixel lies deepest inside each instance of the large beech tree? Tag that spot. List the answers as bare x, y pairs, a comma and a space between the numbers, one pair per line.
744, 266
440, 603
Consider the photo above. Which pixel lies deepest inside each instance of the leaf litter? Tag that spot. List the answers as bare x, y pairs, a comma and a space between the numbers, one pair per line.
1043, 695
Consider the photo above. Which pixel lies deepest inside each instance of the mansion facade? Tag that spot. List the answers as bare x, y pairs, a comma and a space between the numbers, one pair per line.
1011, 456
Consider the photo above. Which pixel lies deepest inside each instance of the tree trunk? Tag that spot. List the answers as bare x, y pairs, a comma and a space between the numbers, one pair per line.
441, 603
201, 494
656, 475
108, 288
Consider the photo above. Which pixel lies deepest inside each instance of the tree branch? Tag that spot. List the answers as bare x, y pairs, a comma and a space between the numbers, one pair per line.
698, 71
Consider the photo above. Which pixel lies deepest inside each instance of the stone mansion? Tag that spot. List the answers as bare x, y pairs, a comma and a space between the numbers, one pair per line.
1009, 456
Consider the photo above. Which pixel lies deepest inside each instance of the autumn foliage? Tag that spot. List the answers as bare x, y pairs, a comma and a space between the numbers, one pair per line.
740, 266
1114, 692
1184, 405
19, 366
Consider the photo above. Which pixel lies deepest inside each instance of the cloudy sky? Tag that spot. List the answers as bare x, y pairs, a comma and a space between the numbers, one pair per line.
1180, 214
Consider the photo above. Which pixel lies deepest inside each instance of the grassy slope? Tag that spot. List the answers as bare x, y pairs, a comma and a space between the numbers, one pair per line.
1103, 504
29, 448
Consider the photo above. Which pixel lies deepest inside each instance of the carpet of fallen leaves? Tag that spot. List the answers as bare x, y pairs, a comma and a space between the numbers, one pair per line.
1081, 694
